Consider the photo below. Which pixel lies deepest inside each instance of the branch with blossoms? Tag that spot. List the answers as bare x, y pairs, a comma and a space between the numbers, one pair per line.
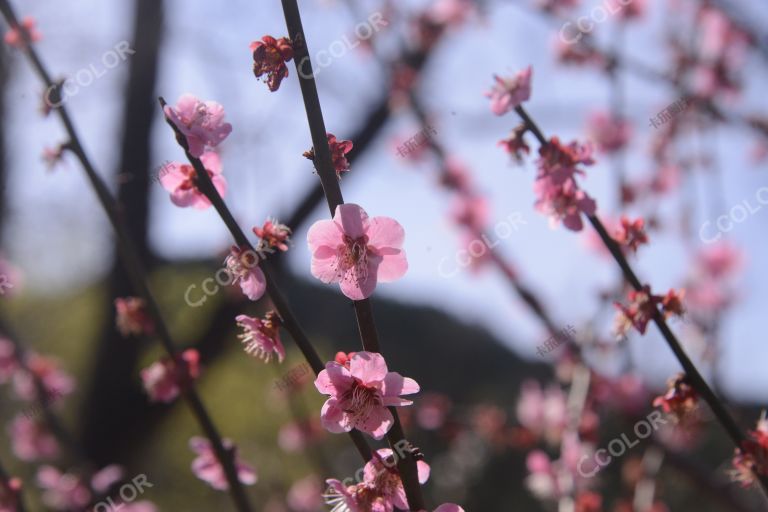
178, 371
561, 198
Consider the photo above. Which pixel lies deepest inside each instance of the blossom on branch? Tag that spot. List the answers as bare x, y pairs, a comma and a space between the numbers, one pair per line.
338, 149
357, 252
180, 179
201, 123
243, 266
273, 234
163, 380
269, 58
508, 93
262, 337
133, 317
16, 35
360, 393
207, 467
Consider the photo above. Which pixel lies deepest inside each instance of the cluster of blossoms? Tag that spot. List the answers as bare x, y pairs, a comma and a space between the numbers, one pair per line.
680, 399
165, 379
752, 458
643, 306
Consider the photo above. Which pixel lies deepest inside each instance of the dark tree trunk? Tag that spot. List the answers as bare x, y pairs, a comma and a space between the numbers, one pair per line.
114, 403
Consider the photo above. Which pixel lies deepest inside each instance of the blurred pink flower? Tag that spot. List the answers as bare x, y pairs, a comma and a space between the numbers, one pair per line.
269, 58
14, 36
273, 234
752, 457
180, 180
133, 317
294, 437
557, 6
62, 491
357, 252
243, 265
508, 93
432, 410
560, 162
609, 133
515, 144
206, 466
338, 149
720, 260
56, 382
9, 493
106, 477
449, 12
563, 202
360, 393
262, 337
630, 234
305, 495
625, 10
201, 122
164, 379
8, 361
543, 412
471, 212
31, 440
455, 175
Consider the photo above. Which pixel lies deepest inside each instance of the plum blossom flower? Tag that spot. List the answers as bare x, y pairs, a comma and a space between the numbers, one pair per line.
357, 252
611, 134
515, 144
201, 122
455, 175
360, 393
180, 180
631, 234
563, 202
305, 495
15, 36
52, 156
274, 234
381, 489
62, 491
471, 211
643, 305
244, 268
680, 399
106, 477
207, 468
752, 458
133, 317
508, 93
164, 379
54, 380
269, 58
339, 149
543, 412
262, 337
31, 440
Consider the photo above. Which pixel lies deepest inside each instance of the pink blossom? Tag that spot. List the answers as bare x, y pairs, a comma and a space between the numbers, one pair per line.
515, 144
449, 12
8, 361
631, 234
357, 252
52, 156
243, 265
432, 411
563, 202
627, 10
55, 381
339, 150
509, 93
274, 234
609, 133
262, 337
455, 175
15, 36
207, 468
31, 440
164, 379
542, 412
139, 506
62, 491
381, 489
471, 212
106, 477
201, 122
306, 495
133, 317
360, 393
269, 58
720, 260
560, 162
180, 180
294, 436
642, 307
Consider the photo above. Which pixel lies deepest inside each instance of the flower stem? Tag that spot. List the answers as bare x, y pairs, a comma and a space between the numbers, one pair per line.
330, 183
